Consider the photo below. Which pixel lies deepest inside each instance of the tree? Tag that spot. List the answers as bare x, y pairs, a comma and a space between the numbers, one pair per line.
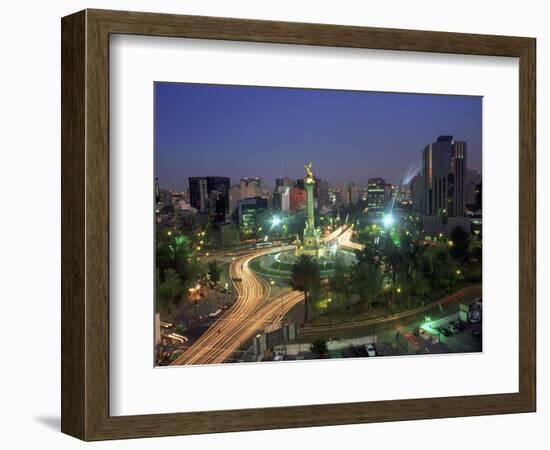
214, 271
340, 283
384, 249
461, 244
319, 347
419, 286
367, 281
305, 277
167, 291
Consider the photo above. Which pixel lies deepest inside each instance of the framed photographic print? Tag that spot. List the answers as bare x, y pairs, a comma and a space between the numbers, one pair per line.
270, 224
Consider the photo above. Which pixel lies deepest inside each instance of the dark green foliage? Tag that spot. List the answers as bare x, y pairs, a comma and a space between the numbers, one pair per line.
305, 277
319, 347
461, 244
214, 271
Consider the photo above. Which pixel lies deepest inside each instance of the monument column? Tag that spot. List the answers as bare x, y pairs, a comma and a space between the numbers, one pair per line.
311, 235
310, 182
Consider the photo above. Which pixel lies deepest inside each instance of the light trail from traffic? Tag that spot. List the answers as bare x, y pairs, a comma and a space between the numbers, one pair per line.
252, 311
344, 240
240, 322
334, 235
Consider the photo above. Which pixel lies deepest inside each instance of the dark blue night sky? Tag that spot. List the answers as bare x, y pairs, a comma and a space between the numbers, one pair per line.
240, 131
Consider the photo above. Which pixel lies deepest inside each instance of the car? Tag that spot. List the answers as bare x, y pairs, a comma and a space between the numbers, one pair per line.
475, 316
477, 335
445, 332
371, 351
460, 325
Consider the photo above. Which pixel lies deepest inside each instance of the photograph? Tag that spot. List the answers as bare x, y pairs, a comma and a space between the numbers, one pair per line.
296, 223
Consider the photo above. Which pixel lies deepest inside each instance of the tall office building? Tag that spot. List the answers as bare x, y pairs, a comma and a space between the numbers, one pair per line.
210, 195
281, 198
444, 169
251, 187
157, 190
376, 196
250, 210
352, 192
281, 194
418, 192
283, 182
322, 192
298, 198
473, 186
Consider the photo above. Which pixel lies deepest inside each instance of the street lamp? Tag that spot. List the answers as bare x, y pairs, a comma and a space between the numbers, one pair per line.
387, 220
276, 221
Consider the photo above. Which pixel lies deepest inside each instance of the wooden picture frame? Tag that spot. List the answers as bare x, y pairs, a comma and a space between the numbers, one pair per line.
85, 224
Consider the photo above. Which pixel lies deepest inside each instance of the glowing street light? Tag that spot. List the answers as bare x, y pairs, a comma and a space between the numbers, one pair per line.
276, 221
387, 220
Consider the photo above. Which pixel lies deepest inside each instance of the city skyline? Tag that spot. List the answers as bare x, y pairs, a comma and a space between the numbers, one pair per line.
205, 130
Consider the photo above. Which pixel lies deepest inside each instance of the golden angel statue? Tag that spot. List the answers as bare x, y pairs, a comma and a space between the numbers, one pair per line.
308, 168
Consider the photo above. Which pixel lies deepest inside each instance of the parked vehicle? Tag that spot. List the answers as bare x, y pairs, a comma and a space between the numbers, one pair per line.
475, 316
445, 332
460, 325
371, 351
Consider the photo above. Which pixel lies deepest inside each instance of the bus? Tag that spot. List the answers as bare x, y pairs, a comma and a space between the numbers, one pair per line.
264, 244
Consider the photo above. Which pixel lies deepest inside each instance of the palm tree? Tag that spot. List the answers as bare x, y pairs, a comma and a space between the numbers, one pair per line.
305, 277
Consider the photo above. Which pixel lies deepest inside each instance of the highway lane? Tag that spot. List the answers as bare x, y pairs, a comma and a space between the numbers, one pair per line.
248, 315
240, 321
344, 240
334, 235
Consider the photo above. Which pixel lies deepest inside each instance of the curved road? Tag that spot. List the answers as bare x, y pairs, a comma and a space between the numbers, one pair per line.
344, 240
241, 321
248, 315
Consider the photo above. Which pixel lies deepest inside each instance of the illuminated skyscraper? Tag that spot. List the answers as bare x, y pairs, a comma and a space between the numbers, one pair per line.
210, 195
444, 170
376, 196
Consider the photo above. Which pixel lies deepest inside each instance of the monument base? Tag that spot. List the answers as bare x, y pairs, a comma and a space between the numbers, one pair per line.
311, 245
